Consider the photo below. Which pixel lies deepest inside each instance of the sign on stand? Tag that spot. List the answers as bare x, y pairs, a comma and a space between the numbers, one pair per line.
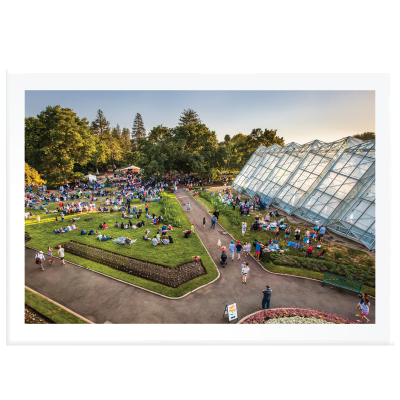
231, 310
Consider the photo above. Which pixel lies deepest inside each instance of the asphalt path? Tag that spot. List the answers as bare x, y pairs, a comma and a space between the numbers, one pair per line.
100, 298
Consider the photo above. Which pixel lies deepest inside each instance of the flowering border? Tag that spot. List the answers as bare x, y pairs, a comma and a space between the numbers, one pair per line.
261, 317
171, 277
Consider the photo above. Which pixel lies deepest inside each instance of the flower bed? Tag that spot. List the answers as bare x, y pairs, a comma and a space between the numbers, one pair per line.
172, 277
296, 315
33, 317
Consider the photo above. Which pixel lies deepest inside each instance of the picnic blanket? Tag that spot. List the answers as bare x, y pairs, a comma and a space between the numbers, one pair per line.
121, 240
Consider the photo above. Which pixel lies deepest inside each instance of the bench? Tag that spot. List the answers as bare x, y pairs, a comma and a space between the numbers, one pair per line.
341, 282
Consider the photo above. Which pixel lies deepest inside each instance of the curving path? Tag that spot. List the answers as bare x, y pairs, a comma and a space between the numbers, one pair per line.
102, 299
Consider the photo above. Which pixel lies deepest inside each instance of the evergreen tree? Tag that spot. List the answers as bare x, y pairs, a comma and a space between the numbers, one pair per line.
189, 116
116, 132
100, 126
138, 129
227, 138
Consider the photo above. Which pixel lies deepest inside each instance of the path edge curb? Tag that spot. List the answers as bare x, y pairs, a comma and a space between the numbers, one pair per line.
61, 306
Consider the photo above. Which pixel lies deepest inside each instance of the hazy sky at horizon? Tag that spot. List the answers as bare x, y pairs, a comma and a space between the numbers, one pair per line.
298, 116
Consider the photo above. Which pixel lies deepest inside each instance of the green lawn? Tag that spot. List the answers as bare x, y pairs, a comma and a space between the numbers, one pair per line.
181, 251
51, 310
351, 258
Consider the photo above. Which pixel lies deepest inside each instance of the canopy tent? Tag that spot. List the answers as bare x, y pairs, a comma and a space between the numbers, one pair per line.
132, 167
91, 177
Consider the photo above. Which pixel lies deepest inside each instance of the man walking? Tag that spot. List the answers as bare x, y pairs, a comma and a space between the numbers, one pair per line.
39, 258
213, 219
267, 297
60, 252
238, 249
232, 250
258, 250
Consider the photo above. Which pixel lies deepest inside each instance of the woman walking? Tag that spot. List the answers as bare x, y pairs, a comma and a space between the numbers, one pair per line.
245, 271
204, 222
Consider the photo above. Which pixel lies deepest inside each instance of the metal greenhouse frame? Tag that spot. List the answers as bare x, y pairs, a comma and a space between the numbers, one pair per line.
331, 184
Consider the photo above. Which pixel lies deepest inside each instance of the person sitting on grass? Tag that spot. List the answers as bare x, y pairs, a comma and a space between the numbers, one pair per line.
116, 224
105, 226
126, 226
83, 232
104, 238
154, 241
145, 237
92, 232
68, 228
169, 227
73, 226
128, 240
164, 234
165, 241
187, 233
122, 225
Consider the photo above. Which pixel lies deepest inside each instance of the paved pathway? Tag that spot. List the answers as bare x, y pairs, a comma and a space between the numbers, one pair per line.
102, 299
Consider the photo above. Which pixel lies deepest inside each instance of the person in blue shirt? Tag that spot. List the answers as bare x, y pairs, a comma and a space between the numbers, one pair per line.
258, 250
213, 219
321, 233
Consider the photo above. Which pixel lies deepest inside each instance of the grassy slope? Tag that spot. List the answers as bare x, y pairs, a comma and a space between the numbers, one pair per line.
349, 255
50, 310
179, 252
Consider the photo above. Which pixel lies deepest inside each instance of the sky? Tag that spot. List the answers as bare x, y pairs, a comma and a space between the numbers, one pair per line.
298, 116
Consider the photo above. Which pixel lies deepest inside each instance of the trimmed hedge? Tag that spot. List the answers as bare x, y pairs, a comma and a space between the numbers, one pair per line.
171, 277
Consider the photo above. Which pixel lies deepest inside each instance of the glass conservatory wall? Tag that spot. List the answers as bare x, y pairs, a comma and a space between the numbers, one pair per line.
270, 159
309, 173
359, 221
288, 163
345, 180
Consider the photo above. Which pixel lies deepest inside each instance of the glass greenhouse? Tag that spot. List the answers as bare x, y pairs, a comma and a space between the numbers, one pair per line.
330, 184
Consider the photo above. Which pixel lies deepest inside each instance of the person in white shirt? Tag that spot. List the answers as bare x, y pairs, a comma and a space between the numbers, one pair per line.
60, 252
73, 226
68, 228
39, 258
245, 271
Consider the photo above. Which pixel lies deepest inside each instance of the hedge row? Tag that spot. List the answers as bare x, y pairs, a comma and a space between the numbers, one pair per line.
171, 277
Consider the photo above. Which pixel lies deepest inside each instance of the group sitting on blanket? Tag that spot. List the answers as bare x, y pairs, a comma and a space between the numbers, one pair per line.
67, 229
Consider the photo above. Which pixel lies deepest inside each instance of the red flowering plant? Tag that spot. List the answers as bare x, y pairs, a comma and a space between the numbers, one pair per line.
172, 277
262, 317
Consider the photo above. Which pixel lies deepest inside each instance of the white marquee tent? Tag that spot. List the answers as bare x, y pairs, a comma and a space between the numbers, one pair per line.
91, 177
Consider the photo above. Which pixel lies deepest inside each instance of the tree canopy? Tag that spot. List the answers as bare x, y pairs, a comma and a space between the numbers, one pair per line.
189, 116
55, 140
365, 136
32, 176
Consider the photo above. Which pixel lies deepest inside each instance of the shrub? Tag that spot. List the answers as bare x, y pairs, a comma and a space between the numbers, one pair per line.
316, 269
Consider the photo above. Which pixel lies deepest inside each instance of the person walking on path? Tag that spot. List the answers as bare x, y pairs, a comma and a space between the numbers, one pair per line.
363, 308
60, 252
188, 206
50, 252
267, 297
39, 258
213, 219
232, 250
204, 222
238, 249
245, 271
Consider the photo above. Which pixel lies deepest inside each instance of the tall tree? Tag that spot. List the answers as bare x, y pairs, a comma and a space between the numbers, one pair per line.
227, 138
138, 129
100, 126
56, 140
365, 136
116, 132
189, 116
